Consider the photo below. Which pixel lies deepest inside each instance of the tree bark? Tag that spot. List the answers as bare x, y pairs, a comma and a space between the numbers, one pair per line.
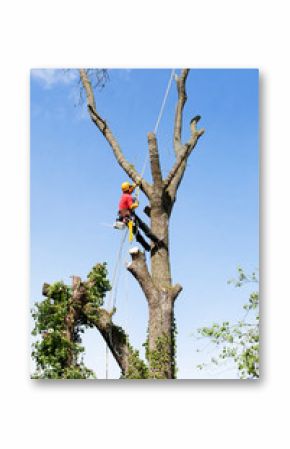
161, 337
160, 295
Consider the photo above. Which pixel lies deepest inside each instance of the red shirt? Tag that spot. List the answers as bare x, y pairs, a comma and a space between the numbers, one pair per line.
126, 201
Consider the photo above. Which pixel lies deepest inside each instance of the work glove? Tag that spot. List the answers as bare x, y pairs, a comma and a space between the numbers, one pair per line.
134, 205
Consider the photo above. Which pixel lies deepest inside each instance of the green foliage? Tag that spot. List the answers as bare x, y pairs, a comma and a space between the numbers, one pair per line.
100, 285
72, 372
163, 354
173, 340
159, 357
137, 368
62, 317
240, 341
57, 350
50, 313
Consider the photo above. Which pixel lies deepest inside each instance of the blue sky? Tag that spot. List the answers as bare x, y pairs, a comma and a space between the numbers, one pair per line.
75, 188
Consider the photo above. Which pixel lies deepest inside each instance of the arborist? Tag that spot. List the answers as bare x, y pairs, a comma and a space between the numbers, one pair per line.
126, 213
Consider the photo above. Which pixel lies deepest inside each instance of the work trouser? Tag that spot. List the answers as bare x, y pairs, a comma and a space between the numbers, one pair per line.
125, 215
145, 228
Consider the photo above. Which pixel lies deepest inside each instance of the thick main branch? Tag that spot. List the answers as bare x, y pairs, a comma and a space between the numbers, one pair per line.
154, 160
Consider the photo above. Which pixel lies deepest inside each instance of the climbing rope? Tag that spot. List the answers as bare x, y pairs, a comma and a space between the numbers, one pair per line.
115, 279
113, 293
164, 101
156, 126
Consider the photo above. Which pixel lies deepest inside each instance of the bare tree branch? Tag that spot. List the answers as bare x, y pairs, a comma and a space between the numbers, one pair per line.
174, 178
107, 133
175, 183
182, 97
184, 152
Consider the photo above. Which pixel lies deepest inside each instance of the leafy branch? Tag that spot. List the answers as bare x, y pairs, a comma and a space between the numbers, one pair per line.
240, 341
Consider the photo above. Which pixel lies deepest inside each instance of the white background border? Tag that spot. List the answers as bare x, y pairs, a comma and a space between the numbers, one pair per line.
220, 414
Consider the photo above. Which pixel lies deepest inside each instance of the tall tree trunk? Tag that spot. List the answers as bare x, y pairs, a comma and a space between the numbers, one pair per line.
161, 304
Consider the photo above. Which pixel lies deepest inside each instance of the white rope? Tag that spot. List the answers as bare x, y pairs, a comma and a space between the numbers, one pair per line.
112, 299
126, 297
164, 101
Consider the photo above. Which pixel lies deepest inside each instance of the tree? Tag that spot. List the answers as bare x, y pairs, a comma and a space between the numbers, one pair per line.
156, 281
240, 341
63, 316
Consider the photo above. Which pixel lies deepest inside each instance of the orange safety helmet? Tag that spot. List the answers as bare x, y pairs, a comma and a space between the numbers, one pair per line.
126, 186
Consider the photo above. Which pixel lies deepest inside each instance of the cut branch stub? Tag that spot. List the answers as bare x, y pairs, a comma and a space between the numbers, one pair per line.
154, 160
138, 267
176, 289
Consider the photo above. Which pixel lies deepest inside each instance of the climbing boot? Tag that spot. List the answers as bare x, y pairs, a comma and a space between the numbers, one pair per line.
119, 225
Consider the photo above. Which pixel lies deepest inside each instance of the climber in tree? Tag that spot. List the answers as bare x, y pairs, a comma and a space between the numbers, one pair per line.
127, 206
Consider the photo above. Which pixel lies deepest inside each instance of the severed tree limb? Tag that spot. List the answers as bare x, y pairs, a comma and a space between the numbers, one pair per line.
182, 97
154, 160
107, 133
114, 336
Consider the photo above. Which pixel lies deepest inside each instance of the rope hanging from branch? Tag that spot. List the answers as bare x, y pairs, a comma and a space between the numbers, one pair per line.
157, 125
